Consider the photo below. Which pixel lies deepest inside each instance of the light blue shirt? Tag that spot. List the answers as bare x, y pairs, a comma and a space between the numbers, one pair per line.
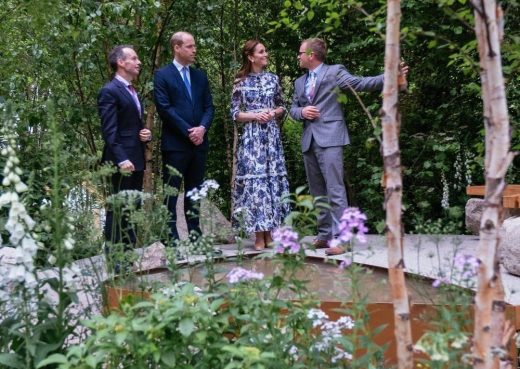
179, 67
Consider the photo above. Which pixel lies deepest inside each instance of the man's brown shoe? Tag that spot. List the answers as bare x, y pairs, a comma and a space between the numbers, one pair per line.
336, 250
320, 244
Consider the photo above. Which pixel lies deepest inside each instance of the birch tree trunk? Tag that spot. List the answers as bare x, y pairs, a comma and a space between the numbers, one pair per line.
235, 128
390, 120
489, 301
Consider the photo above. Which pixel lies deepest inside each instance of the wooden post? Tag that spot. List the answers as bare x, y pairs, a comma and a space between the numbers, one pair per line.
489, 300
390, 120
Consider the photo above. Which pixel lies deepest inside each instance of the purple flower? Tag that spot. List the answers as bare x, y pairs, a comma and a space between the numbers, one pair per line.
239, 274
352, 223
286, 239
345, 264
440, 281
467, 266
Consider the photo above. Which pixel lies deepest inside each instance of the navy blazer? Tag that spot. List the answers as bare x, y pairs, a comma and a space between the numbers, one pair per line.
121, 122
178, 111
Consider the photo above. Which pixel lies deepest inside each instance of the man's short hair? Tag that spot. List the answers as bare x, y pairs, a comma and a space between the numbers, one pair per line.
178, 39
317, 46
116, 54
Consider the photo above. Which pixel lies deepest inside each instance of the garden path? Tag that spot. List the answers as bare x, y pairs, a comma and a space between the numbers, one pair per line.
429, 256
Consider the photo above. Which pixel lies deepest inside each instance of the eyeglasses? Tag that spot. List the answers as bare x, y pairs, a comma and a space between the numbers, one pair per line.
305, 52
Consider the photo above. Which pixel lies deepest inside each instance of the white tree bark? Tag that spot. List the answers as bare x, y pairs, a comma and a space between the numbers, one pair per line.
489, 300
390, 120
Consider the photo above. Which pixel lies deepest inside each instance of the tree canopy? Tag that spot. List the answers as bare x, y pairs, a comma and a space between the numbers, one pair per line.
54, 61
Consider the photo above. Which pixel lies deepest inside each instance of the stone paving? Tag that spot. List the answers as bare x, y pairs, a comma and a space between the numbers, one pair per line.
425, 255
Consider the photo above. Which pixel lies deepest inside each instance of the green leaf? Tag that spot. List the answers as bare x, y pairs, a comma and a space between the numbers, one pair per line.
120, 338
53, 359
168, 358
310, 14
186, 327
12, 360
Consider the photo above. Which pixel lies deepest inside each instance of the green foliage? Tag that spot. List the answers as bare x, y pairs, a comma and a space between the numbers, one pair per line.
59, 55
442, 111
54, 62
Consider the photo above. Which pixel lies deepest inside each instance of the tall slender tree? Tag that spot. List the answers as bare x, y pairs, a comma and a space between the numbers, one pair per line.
489, 301
391, 121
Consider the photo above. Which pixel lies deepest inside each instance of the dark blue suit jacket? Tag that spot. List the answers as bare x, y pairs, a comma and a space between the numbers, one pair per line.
120, 122
178, 112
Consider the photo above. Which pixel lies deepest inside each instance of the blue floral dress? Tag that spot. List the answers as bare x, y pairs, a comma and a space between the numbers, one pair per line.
261, 178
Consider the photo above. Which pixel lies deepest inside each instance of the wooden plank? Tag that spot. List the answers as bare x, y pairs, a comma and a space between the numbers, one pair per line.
511, 201
510, 195
476, 190
512, 189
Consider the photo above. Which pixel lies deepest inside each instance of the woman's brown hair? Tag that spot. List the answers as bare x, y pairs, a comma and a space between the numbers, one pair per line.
247, 50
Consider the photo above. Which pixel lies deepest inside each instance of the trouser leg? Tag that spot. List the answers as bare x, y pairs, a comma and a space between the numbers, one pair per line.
330, 161
193, 178
318, 188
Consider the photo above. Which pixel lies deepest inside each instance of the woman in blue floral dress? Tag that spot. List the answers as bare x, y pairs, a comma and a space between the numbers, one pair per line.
261, 178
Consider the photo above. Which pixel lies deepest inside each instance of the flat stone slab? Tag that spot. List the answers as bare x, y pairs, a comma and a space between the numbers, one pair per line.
428, 256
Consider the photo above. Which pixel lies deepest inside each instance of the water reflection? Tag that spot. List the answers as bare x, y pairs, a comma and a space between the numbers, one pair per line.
326, 279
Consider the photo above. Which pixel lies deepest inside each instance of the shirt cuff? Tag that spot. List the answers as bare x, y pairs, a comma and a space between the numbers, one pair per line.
123, 162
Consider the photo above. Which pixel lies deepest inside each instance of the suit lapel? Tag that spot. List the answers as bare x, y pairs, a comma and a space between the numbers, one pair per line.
324, 70
300, 86
126, 94
178, 77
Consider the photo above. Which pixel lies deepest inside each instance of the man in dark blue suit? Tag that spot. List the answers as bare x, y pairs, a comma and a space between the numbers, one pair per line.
124, 134
185, 105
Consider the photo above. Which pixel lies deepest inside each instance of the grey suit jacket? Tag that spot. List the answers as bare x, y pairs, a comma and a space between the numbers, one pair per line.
329, 129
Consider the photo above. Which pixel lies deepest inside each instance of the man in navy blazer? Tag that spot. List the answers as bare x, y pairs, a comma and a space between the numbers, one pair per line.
185, 105
124, 134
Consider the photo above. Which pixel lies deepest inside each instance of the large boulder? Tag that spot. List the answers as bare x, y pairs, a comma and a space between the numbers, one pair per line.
510, 245
211, 220
473, 215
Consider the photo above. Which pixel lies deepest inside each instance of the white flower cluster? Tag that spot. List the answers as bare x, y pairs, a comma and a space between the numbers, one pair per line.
463, 169
457, 165
330, 334
202, 192
128, 197
11, 171
445, 202
19, 225
468, 157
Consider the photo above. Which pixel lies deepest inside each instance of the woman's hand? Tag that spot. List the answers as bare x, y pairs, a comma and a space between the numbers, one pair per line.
264, 117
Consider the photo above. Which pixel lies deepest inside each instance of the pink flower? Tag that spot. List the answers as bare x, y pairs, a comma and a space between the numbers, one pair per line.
345, 264
286, 239
467, 266
440, 281
352, 223
239, 274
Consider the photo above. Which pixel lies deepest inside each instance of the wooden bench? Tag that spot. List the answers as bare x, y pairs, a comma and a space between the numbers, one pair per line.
510, 196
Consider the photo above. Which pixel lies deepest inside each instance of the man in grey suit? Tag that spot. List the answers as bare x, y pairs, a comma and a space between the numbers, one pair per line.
324, 131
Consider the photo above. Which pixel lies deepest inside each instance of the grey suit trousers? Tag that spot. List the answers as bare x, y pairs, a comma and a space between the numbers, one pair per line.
325, 173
